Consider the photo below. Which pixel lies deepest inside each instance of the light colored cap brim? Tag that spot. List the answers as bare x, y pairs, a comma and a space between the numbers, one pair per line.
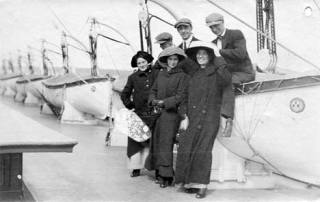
214, 23
182, 23
161, 42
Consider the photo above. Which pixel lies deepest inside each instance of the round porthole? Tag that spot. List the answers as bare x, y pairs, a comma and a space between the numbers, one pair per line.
297, 105
307, 11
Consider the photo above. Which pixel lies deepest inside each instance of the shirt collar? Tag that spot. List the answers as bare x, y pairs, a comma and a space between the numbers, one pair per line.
188, 41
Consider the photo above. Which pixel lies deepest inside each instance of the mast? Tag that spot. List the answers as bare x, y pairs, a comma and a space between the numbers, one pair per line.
11, 67
266, 25
44, 58
93, 48
19, 61
31, 69
64, 50
145, 19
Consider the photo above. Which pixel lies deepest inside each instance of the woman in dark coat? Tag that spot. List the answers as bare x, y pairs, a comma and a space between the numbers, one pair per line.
135, 96
201, 110
166, 94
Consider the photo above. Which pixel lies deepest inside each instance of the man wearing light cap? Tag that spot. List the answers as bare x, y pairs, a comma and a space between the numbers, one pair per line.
184, 27
232, 45
164, 39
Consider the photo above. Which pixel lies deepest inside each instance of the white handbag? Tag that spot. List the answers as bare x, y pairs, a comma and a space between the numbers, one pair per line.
129, 123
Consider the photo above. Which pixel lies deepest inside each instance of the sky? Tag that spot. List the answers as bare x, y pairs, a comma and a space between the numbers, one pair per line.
25, 22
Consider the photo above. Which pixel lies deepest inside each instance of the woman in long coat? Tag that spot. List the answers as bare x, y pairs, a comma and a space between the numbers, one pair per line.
201, 110
135, 96
166, 94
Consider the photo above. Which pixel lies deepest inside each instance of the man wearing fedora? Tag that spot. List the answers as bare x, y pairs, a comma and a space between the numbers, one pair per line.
232, 45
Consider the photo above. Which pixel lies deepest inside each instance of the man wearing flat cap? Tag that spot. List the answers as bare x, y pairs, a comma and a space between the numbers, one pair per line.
164, 39
184, 28
232, 45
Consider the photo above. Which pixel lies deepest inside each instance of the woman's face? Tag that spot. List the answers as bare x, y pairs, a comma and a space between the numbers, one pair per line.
142, 64
202, 57
172, 61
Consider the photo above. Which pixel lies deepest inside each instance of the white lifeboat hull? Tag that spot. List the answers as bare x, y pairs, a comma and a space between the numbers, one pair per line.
91, 98
280, 128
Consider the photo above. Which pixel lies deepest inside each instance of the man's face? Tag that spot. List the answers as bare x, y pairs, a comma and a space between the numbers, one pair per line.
185, 31
165, 45
217, 29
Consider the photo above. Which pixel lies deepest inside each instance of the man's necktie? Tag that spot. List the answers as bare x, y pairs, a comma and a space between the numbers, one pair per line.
219, 41
184, 45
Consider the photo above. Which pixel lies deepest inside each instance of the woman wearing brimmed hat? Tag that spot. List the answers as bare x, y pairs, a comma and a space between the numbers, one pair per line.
138, 87
167, 93
201, 110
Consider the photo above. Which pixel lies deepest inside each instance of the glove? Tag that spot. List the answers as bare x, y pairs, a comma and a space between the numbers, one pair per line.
184, 124
158, 103
228, 128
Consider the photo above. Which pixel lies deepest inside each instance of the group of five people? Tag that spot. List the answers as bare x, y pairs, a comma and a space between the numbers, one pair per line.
190, 87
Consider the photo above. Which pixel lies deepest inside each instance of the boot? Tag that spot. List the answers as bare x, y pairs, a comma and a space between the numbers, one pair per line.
201, 193
135, 173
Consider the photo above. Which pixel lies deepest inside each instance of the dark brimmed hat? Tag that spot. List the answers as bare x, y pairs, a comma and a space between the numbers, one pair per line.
163, 56
163, 37
196, 46
141, 54
183, 21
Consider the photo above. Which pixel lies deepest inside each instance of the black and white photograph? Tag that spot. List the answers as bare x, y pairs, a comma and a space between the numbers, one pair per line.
159, 100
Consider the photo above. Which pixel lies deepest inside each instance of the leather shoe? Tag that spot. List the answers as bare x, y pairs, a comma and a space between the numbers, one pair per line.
191, 190
135, 173
201, 193
157, 181
165, 182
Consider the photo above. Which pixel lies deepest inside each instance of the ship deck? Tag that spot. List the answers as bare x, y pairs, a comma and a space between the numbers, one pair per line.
94, 172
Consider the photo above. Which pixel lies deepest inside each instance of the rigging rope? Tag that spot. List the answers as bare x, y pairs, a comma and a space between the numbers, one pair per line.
251, 27
317, 5
109, 52
115, 40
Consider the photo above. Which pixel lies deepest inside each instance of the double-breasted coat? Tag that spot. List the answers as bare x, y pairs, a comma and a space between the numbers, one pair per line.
202, 106
169, 87
135, 96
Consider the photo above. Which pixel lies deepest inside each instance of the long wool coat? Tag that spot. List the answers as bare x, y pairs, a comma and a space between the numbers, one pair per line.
202, 107
135, 96
169, 87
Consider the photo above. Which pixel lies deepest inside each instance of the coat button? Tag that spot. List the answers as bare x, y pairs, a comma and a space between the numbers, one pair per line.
194, 107
204, 111
199, 126
147, 85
